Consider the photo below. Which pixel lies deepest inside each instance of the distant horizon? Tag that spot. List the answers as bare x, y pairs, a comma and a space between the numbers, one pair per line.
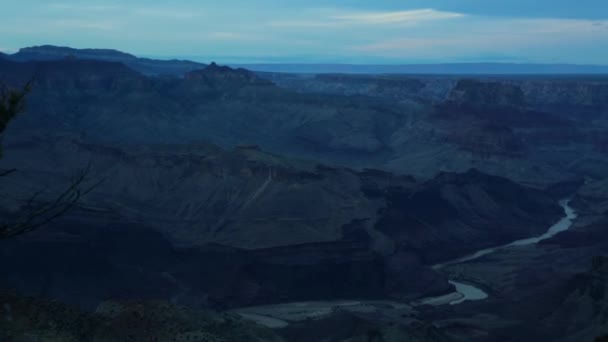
306, 61
321, 31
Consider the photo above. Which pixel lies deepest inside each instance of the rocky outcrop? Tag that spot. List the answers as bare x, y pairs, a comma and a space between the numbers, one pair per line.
182, 219
571, 97
238, 228
487, 119
499, 103
397, 88
219, 104
473, 210
414, 135
584, 100
594, 196
277, 222
200, 194
582, 314
483, 96
226, 76
68, 74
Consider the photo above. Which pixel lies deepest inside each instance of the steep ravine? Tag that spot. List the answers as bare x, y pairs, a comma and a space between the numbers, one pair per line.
468, 292
282, 315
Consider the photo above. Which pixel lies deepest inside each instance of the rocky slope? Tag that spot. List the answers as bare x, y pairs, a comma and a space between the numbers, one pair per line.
194, 211
470, 209
365, 234
544, 291
457, 69
141, 135
415, 126
547, 119
583, 312
593, 196
221, 107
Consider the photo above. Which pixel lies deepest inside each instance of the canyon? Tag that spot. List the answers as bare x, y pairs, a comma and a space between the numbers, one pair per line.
226, 189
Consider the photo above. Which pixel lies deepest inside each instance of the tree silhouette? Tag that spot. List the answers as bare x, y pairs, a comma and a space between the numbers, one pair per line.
36, 213
12, 103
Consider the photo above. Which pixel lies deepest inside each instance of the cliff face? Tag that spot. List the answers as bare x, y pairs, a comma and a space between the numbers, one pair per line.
194, 211
493, 118
481, 120
250, 199
489, 124
543, 93
398, 88
571, 98
583, 312
63, 71
486, 96
473, 210
219, 104
594, 196
281, 222
144, 137
200, 195
225, 76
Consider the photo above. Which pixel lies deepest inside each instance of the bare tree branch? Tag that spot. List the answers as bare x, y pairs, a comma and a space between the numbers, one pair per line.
48, 212
12, 103
5, 173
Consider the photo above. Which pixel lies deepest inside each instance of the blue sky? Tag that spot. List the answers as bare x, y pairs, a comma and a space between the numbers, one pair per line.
340, 31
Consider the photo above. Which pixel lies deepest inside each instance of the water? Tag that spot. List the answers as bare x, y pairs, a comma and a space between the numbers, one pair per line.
563, 225
468, 292
472, 293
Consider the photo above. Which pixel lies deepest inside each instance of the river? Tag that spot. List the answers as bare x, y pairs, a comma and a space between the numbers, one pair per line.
468, 292
280, 315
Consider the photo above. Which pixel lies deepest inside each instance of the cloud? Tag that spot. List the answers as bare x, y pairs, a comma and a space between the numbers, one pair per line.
81, 7
494, 34
232, 36
84, 24
414, 16
303, 23
154, 11
560, 26
342, 18
405, 44
301, 30
166, 13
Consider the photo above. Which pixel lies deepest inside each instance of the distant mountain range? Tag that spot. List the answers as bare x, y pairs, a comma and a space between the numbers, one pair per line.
433, 69
145, 66
176, 67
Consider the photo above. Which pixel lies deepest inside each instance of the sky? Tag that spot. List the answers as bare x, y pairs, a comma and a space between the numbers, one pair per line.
317, 31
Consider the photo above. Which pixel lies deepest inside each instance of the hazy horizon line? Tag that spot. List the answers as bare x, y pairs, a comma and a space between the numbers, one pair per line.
317, 60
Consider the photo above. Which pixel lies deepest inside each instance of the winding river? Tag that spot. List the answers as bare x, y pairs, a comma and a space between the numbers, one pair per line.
280, 315
467, 292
